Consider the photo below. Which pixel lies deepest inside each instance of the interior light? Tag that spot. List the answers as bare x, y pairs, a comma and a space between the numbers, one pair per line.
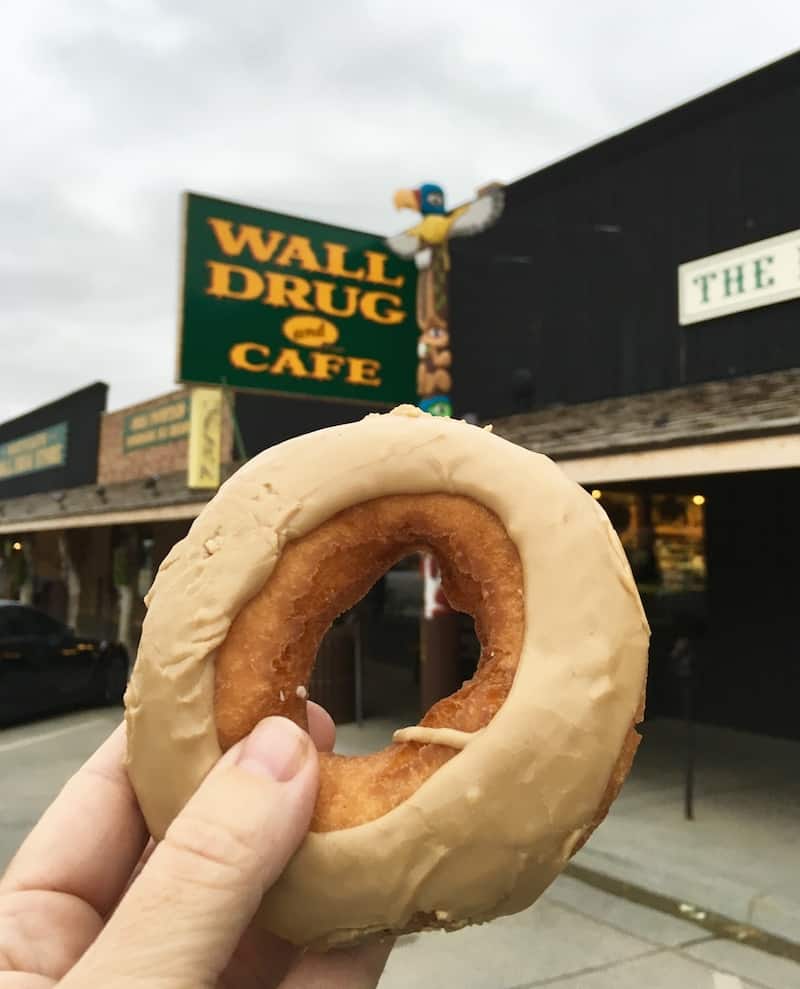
597, 494
16, 546
699, 500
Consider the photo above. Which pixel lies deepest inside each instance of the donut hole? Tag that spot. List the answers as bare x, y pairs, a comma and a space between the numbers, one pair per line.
384, 630
384, 626
264, 664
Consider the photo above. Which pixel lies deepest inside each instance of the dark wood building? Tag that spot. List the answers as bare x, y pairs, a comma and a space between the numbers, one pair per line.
52, 447
678, 407
576, 283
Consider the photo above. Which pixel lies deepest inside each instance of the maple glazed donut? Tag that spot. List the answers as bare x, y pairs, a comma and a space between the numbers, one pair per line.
471, 814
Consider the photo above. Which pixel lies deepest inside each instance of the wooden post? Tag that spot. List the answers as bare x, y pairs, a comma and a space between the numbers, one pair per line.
72, 580
26, 586
124, 567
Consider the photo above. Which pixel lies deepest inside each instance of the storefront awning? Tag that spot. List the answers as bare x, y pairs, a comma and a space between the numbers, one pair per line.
152, 499
740, 424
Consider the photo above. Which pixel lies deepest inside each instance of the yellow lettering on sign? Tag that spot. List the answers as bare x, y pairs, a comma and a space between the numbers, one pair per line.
336, 255
241, 356
298, 249
143, 438
322, 365
233, 281
325, 367
389, 316
323, 296
310, 331
236, 239
287, 290
27, 444
49, 456
376, 270
221, 285
363, 371
165, 413
289, 360
247, 238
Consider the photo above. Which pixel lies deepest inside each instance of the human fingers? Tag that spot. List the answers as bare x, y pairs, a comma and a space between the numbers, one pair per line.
345, 968
322, 730
89, 839
181, 920
321, 727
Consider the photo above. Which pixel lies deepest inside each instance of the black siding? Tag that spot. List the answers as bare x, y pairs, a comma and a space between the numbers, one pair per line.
578, 279
81, 411
265, 420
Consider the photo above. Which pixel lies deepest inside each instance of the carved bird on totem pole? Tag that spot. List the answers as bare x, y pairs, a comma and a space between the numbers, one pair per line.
427, 243
427, 240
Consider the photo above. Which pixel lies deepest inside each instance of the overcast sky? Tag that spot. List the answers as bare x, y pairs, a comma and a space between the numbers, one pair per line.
111, 108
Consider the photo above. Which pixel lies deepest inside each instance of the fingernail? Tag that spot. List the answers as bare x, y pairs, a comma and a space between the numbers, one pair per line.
276, 747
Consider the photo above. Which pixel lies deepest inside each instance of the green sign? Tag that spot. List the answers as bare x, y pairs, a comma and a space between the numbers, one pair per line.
161, 423
34, 452
280, 304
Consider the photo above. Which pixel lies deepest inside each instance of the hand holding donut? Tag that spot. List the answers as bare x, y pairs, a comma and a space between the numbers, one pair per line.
84, 904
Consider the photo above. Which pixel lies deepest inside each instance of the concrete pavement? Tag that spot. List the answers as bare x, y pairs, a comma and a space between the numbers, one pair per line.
740, 856
36, 760
577, 936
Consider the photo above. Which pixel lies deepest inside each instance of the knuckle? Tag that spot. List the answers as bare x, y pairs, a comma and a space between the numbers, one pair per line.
207, 852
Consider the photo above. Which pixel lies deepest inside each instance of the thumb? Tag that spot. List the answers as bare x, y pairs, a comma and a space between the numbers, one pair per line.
182, 919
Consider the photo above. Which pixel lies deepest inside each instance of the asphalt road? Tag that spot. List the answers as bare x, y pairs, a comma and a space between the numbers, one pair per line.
575, 937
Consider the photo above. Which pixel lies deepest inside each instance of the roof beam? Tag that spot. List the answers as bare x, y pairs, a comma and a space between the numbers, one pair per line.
130, 516
731, 457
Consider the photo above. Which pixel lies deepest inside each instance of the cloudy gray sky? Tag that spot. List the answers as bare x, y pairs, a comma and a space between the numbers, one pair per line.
112, 107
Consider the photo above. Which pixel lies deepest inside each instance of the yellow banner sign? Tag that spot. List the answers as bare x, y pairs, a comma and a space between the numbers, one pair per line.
205, 438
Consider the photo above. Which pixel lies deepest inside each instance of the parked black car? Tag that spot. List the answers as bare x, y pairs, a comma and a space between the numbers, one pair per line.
46, 667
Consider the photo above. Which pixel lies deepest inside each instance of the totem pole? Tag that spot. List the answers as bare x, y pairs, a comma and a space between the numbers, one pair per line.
427, 242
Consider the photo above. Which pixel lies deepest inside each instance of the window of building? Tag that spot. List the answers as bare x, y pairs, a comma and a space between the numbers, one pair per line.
663, 537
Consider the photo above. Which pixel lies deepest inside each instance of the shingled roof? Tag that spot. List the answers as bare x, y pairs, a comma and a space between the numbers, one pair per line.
93, 504
736, 408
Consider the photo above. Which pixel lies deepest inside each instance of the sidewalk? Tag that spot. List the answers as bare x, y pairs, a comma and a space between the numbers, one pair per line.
740, 857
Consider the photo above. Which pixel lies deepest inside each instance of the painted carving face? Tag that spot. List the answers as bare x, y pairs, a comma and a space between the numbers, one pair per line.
431, 199
436, 337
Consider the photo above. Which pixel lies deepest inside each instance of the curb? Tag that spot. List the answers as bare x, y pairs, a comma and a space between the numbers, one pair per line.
719, 924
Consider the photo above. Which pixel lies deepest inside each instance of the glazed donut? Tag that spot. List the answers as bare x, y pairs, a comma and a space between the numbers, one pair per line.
472, 813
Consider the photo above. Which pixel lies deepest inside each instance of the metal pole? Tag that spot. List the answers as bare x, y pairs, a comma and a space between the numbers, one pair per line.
683, 660
688, 703
237, 433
